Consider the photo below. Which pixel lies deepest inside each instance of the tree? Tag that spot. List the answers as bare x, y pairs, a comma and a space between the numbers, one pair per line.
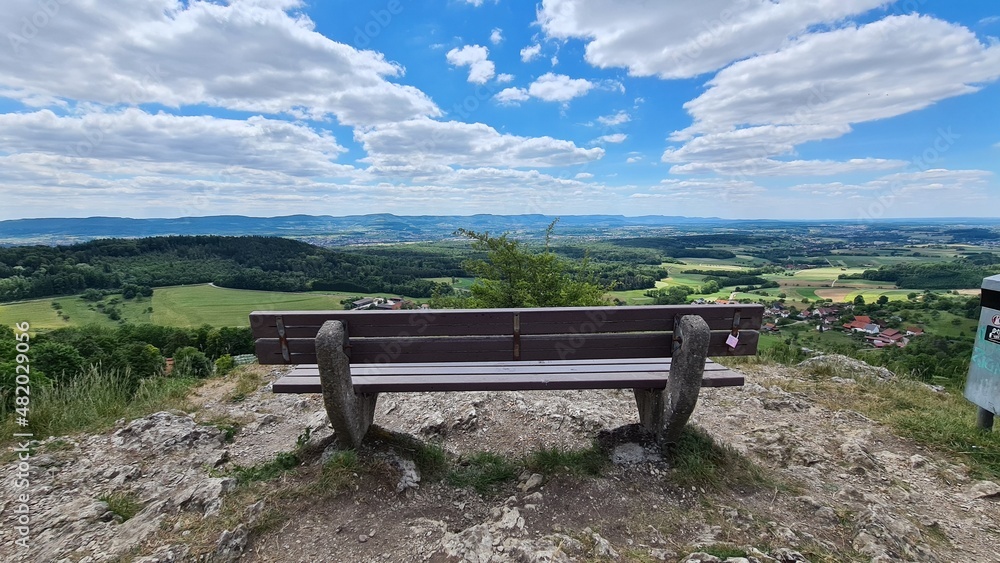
859, 300
190, 362
514, 276
882, 299
56, 360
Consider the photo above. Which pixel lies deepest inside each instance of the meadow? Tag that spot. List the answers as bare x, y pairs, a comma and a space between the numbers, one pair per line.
179, 306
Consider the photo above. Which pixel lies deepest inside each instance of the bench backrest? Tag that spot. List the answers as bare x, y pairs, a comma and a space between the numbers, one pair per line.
441, 335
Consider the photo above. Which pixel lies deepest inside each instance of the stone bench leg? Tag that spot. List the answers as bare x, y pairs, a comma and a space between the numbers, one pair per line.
350, 414
664, 412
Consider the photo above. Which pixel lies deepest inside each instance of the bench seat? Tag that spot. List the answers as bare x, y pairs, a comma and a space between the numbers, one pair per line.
639, 373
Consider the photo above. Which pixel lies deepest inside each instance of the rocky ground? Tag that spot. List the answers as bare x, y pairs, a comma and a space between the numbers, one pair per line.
837, 487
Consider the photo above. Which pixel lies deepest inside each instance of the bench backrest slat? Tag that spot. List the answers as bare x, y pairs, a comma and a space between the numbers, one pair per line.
501, 348
402, 323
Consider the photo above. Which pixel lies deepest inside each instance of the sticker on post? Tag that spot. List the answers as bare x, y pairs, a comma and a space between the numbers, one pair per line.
992, 334
733, 340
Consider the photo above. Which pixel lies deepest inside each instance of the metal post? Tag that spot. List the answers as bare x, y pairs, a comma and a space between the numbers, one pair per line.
984, 420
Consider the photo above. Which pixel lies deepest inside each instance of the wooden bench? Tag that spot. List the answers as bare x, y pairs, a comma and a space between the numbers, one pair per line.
658, 351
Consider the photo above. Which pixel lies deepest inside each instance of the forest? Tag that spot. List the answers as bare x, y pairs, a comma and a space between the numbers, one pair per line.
269, 263
965, 272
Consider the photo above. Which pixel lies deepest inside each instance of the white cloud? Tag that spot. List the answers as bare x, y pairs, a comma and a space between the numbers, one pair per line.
615, 119
766, 106
251, 56
424, 141
931, 180
512, 96
685, 39
751, 167
504, 78
613, 138
559, 87
583, 176
633, 159
909, 63
481, 69
496, 36
554, 60
708, 189
143, 143
530, 52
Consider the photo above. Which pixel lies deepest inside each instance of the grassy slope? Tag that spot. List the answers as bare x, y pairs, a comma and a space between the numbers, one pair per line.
183, 306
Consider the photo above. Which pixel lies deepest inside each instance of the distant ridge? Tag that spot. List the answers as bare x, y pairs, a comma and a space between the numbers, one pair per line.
384, 227
377, 227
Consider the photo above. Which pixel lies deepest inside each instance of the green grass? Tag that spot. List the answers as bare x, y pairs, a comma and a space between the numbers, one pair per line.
697, 461
590, 461
95, 400
247, 381
945, 421
180, 306
430, 458
282, 462
485, 472
124, 505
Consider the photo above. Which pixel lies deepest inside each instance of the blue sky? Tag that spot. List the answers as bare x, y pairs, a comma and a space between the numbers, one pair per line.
809, 109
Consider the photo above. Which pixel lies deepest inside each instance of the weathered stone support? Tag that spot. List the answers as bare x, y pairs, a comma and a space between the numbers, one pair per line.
350, 414
664, 412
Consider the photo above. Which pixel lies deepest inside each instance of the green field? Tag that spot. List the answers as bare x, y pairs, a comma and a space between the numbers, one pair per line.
182, 306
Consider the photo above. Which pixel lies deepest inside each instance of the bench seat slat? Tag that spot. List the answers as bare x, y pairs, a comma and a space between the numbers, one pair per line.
522, 382
527, 376
463, 368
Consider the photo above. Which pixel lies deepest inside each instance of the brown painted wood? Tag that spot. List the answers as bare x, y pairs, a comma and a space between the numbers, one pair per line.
453, 368
505, 382
500, 348
377, 323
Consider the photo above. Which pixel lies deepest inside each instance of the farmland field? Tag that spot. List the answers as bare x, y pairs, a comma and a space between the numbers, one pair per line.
182, 306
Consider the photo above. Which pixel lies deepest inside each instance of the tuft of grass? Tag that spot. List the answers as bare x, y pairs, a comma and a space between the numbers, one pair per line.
485, 472
266, 471
430, 458
247, 381
338, 472
229, 426
58, 445
696, 460
97, 398
590, 461
124, 505
723, 551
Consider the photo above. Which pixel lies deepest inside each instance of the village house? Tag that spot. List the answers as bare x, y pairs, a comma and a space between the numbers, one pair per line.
863, 323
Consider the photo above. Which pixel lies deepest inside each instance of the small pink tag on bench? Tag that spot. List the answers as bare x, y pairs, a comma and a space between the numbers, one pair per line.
733, 340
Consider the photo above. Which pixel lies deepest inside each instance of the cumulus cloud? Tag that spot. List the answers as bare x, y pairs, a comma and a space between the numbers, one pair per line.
531, 52
496, 36
615, 119
910, 62
552, 87
583, 176
504, 78
613, 138
146, 141
685, 39
512, 96
452, 143
481, 69
251, 56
